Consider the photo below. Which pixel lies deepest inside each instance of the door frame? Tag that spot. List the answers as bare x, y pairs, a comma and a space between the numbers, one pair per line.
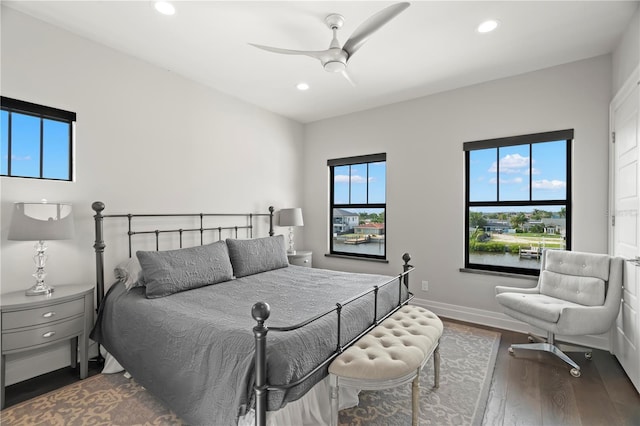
628, 89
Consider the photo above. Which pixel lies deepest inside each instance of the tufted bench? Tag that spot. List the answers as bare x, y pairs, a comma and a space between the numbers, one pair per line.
391, 354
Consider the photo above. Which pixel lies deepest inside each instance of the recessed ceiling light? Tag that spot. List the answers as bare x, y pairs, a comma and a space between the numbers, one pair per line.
165, 7
488, 26
302, 86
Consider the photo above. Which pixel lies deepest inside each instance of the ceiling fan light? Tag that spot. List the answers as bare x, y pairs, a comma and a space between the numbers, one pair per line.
302, 86
335, 66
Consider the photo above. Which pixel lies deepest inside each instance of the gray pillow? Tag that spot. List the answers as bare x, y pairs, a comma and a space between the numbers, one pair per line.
171, 271
250, 257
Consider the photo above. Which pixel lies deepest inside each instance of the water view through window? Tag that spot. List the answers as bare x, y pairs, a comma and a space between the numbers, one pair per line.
358, 206
359, 231
517, 201
517, 237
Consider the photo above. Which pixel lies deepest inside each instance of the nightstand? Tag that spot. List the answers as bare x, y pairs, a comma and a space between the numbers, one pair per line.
301, 258
31, 322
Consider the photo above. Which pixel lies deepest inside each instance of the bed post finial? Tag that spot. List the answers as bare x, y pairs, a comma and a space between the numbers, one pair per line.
271, 210
406, 257
98, 206
260, 312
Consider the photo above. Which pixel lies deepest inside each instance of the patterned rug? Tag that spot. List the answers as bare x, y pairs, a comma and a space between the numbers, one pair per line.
467, 360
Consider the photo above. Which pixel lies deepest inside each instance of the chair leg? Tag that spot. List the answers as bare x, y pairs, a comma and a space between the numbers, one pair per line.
415, 399
436, 367
550, 347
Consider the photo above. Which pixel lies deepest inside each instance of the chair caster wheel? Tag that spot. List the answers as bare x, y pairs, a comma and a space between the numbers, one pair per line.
588, 355
511, 351
575, 372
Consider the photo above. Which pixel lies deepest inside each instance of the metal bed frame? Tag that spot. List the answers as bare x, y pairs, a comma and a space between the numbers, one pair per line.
260, 311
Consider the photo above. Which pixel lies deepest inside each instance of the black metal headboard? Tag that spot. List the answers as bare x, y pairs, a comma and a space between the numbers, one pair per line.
99, 246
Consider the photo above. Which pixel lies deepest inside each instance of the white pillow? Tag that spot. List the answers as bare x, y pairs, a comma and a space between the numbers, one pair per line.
129, 272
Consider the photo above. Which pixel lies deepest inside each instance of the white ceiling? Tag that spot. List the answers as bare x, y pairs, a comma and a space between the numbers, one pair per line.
431, 47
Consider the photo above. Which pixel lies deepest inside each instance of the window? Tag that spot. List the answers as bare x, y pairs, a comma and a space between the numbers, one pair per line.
518, 200
36, 141
358, 206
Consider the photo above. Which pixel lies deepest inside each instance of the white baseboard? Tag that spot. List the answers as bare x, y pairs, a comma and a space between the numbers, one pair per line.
500, 320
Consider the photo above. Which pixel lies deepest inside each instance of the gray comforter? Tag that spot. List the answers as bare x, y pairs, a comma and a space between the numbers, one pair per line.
194, 350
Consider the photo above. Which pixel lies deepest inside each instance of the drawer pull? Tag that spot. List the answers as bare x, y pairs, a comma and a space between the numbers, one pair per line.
306, 261
49, 334
48, 314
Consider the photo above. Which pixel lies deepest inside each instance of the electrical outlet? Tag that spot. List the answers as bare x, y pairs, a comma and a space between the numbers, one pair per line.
425, 285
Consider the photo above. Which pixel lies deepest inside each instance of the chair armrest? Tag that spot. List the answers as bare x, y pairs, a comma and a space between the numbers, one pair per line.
504, 289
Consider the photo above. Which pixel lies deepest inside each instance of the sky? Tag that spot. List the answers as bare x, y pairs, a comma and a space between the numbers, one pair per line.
363, 179
25, 146
548, 173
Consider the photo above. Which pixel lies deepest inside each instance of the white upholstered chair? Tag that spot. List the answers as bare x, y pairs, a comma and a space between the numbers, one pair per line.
577, 294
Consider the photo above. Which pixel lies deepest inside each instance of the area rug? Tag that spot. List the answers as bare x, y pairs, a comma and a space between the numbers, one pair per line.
467, 360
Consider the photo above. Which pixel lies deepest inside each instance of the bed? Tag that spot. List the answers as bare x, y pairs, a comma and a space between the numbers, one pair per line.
256, 340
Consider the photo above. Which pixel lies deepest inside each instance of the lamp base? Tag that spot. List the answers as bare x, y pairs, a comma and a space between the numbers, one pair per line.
39, 289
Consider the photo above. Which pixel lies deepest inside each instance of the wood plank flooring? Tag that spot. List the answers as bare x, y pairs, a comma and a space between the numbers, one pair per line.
527, 389
536, 389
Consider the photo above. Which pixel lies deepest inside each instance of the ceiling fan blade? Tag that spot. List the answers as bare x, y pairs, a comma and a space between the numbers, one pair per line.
371, 25
348, 77
314, 54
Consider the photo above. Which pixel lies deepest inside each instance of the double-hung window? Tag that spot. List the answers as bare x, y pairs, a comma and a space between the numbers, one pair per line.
518, 200
36, 141
357, 226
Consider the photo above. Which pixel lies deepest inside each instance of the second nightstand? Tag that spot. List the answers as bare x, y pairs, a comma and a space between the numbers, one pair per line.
301, 258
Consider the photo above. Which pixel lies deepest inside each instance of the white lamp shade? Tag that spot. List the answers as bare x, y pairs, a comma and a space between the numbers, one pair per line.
41, 222
291, 217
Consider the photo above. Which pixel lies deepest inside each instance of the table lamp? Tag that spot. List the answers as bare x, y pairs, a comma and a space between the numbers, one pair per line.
41, 222
291, 217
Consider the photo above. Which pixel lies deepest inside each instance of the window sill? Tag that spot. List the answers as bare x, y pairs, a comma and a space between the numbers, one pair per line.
499, 274
368, 259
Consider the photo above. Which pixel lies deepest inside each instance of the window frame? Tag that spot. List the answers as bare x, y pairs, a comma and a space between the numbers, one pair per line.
566, 135
41, 112
355, 161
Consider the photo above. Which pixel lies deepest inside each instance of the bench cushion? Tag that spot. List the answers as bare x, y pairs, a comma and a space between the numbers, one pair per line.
393, 349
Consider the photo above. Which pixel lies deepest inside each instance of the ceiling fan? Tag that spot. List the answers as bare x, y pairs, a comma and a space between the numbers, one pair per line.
335, 58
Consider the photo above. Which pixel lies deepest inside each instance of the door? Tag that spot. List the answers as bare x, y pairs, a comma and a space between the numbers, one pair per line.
625, 225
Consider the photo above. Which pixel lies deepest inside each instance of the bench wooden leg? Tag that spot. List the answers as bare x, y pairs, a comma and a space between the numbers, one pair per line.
436, 366
415, 399
334, 398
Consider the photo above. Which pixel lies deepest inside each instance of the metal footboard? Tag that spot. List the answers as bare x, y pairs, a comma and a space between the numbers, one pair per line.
261, 311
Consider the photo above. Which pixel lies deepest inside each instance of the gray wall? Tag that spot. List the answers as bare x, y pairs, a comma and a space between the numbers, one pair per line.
626, 56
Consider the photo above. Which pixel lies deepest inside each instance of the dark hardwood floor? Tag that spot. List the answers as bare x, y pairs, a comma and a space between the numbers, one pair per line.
39, 385
527, 389
532, 388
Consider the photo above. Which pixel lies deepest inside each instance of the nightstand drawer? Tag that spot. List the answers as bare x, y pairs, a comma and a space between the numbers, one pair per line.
301, 258
44, 315
41, 335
